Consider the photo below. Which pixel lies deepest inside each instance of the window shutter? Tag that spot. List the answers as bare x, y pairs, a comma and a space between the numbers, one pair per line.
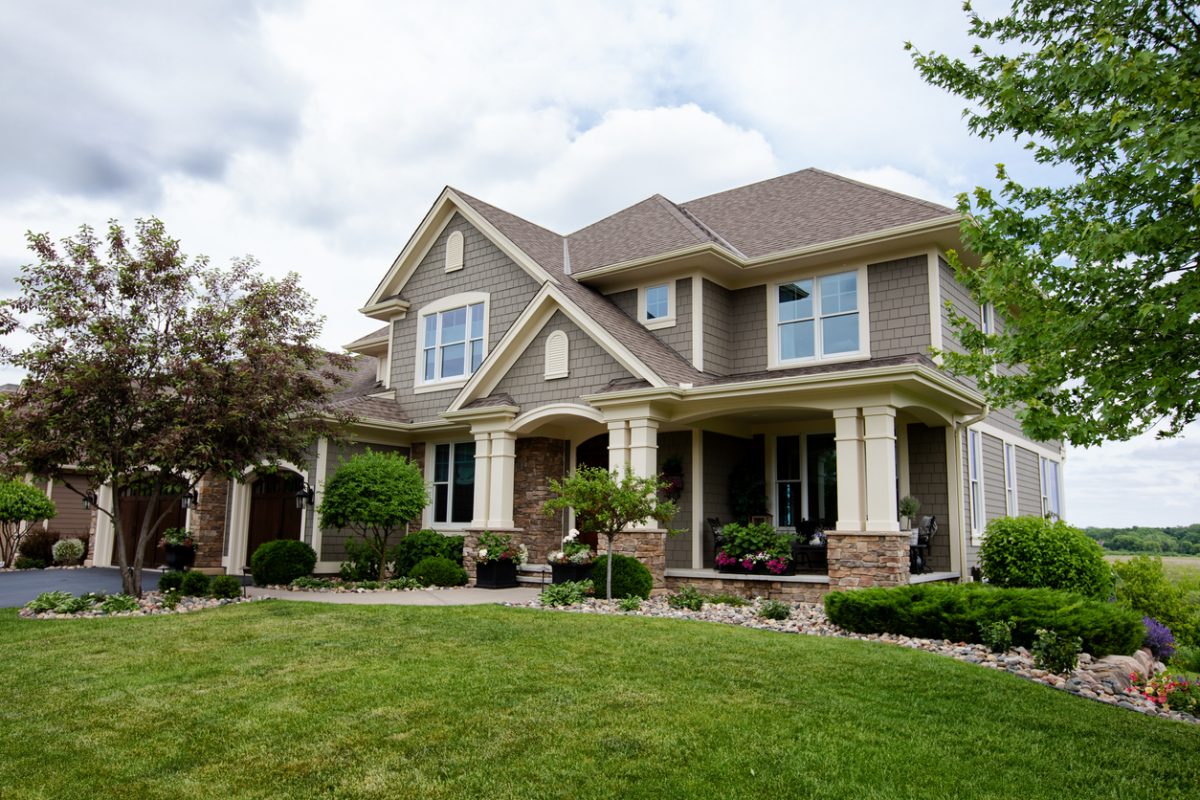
556, 355
454, 252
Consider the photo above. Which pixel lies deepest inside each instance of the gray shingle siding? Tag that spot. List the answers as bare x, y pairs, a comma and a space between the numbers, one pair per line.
1029, 483
748, 322
718, 328
927, 481
590, 369
679, 336
485, 269
993, 478
898, 297
679, 547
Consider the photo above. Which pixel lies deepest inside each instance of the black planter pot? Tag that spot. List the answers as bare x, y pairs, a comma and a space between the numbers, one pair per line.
496, 575
180, 556
561, 573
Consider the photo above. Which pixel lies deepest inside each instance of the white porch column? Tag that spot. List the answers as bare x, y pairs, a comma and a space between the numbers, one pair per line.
643, 447
502, 468
483, 479
880, 448
850, 485
618, 445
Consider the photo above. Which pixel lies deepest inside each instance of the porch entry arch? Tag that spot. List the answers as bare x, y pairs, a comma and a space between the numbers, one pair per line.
263, 509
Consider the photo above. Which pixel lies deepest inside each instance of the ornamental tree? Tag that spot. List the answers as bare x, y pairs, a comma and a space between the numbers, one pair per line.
1096, 275
375, 495
150, 370
607, 506
21, 507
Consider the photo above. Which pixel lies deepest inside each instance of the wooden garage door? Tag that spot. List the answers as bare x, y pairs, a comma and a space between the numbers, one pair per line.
273, 512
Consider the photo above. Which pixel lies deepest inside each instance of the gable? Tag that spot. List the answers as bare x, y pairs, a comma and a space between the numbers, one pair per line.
590, 368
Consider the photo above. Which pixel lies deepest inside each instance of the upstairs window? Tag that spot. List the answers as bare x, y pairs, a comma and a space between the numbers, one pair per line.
453, 339
1010, 479
1051, 499
656, 305
975, 481
818, 317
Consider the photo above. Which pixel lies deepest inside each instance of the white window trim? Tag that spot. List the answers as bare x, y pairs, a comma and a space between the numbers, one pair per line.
978, 521
864, 322
987, 318
420, 385
430, 462
662, 322
1042, 464
1010, 478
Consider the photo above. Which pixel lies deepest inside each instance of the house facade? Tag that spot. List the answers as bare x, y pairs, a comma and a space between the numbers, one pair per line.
770, 345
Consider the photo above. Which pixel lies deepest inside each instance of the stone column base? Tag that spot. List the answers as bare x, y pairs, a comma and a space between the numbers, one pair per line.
208, 521
862, 559
648, 546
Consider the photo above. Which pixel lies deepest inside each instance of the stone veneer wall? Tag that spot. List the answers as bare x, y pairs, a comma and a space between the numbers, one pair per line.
208, 521
648, 547
780, 590
860, 560
538, 459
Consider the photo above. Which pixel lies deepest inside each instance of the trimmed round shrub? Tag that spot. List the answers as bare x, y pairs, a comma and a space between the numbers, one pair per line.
195, 584
630, 577
280, 562
423, 544
1034, 553
959, 613
39, 546
68, 551
438, 571
225, 587
170, 581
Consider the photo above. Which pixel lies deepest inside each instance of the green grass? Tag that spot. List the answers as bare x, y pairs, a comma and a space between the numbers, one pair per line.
307, 700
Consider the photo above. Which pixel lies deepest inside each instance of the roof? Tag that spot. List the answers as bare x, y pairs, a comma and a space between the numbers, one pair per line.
653, 226
356, 395
379, 336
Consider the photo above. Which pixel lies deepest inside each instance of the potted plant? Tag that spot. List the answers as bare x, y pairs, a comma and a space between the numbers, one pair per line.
180, 545
909, 506
573, 562
496, 561
754, 549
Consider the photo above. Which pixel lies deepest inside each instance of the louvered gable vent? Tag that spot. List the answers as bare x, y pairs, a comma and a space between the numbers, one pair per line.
556, 355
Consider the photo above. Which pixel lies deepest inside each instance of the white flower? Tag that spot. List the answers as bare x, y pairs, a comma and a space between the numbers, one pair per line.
571, 536
482, 552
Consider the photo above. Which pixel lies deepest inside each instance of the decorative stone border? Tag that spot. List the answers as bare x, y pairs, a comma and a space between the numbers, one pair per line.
1101, 680
150, 604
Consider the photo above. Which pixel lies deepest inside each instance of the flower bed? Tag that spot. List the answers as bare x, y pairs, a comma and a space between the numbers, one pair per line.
92, 606
754, 549
338, 585
1100, 680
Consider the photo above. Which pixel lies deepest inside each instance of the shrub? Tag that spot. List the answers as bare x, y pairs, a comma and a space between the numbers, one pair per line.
22, 506
956, 612
48, 601
997, 636
688, 597
25, 562
170, 599
281, 562
195, 584
1031, 552
362, 562
438, 571
774, 609
1186, 658
1056, 652
1158, 639
306, 582
401, 583
567, 593
68, 551
629, 603
735, 600
225, 587
39, 546
170, 581
119, 603
368, 585
1142, 585
421, 545
630, 578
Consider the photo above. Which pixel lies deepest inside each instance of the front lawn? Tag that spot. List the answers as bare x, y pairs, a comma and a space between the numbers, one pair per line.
280, 699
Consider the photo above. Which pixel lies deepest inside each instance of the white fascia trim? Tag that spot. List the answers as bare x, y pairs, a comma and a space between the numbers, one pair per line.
426, 234
523, 331
662, 322
935, 303
864, 322
1020, 441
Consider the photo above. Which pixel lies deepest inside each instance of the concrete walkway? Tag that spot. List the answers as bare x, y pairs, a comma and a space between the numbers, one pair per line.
418, 597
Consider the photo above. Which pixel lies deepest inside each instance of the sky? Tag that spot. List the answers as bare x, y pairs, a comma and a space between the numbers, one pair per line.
315, 135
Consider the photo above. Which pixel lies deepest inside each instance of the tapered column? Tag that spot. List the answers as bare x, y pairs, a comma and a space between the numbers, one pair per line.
879, 425
483, 479
850, 484
618, 445
500, 493
643, 447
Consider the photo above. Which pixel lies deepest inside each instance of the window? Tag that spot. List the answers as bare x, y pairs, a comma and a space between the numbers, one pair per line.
975, 478
787, 481
818, 318
1050, 490
987, 318
1010, 479
452, 342
454, 483
656, 305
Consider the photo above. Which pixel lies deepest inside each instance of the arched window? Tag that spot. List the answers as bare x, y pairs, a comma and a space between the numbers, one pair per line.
557, 355
454, 252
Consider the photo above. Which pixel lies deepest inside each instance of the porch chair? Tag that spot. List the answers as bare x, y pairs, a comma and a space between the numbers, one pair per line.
918, 554
714, 529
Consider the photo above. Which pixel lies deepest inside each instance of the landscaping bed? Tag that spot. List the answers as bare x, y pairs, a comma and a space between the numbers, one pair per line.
1103, 680
341, 586
150, 603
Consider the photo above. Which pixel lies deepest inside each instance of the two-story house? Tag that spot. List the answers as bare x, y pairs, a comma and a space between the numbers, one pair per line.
771, 343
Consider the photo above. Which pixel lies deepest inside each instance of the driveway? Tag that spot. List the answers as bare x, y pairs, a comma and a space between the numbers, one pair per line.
18, 588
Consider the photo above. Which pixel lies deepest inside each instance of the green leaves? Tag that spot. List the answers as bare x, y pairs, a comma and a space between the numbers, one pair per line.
1095, 279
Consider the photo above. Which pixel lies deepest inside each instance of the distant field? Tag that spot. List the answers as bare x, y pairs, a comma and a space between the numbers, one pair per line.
1178, 568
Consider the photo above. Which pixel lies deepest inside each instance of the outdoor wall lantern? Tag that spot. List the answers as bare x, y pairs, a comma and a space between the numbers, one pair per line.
89, 501
305, 496
191, 499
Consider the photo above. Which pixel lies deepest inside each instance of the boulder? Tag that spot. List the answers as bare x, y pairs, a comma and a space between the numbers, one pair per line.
1124, 665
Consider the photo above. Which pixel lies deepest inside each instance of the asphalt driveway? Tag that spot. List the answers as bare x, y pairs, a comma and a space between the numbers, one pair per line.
18, 588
